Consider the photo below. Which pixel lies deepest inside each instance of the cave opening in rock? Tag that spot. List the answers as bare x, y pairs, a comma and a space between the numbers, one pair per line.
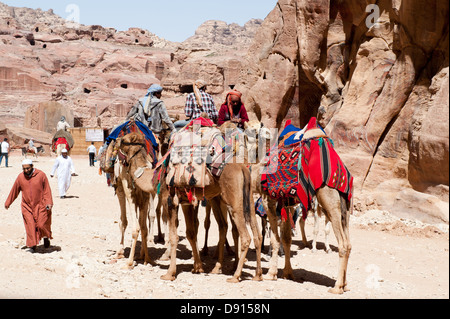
124, 86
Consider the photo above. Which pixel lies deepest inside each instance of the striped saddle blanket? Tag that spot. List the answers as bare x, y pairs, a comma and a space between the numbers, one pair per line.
295, 171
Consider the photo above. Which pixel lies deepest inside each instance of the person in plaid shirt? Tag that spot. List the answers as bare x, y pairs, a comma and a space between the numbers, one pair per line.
199, 102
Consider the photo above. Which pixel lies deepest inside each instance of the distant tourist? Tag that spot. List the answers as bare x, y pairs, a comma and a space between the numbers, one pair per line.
66, 170
92, 152
37, 204
4, 151
62, 124
31, 146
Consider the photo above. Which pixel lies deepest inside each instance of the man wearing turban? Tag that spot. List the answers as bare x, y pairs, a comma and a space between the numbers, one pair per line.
233, 110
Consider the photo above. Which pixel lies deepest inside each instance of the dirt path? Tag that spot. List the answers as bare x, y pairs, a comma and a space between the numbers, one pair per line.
390, 258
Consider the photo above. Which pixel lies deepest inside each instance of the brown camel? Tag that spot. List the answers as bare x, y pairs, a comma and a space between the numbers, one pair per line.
336, 209
128, 191
217, 191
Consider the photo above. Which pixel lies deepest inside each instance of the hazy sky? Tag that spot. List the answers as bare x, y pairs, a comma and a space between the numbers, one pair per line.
174, 20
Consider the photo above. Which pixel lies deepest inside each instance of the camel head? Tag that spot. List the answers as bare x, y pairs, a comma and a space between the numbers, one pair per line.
108, 158
132, 153
132, 150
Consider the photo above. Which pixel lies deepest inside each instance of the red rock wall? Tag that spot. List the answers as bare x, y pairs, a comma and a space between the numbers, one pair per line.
380, 90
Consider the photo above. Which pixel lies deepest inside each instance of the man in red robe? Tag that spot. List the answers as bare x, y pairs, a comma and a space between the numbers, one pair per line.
37, 204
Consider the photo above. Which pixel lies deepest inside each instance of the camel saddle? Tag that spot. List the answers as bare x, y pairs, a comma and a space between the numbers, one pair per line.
302, 162
193, 150
66, 135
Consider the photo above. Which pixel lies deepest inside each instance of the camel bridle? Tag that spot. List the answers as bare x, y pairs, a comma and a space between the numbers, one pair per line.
124, 157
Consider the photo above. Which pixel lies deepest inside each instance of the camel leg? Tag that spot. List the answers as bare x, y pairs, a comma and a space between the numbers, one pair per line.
173, 239
263, 229
207, 225
123, 221
145, 209
286, 239
270, 207
244, 243
223, 228
166, 220
191, 217
257, 241
135, 226
302, 229
316, 230
330, 201
152, 215
327, 229
134, 237
158, 219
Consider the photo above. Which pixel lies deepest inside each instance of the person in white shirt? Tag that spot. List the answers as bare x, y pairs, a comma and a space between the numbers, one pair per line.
66, 170
62, 124
31, 146
92, 152
4, 151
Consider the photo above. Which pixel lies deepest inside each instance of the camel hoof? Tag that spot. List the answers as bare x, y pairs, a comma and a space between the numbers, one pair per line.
168, 277
336, 291
314, 250
271, 277
128, 266
257, 278
233, 280
328, 251
217, 270
198, 270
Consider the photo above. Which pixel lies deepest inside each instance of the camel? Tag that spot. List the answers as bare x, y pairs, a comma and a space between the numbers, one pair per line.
336, 209
237, 203
128, 190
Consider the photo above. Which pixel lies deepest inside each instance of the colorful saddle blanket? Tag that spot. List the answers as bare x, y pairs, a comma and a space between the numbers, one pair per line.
295, 171
128, 127
193, 151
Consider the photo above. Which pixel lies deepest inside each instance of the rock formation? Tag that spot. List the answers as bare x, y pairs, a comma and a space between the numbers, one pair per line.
376, 75
94, 71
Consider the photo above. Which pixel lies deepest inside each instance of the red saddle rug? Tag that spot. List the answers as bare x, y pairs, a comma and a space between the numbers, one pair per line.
295, 172
59, 141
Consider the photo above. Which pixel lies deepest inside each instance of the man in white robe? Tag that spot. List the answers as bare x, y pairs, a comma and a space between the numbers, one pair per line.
66, 170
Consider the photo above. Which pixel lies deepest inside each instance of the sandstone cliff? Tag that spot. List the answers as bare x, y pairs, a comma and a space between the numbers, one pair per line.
377, 82
94, 71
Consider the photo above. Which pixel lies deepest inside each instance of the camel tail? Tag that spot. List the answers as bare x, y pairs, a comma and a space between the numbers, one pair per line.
247, 195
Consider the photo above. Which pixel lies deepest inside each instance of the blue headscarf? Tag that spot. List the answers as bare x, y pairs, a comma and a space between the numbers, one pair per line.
155, 88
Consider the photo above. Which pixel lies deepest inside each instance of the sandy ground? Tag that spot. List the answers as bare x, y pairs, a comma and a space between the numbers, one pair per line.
391, 258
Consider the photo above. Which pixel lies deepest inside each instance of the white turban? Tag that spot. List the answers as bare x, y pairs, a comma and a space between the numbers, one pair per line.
64, 151
27, 162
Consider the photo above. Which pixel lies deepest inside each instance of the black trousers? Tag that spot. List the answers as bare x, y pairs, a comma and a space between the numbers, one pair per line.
91, 159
